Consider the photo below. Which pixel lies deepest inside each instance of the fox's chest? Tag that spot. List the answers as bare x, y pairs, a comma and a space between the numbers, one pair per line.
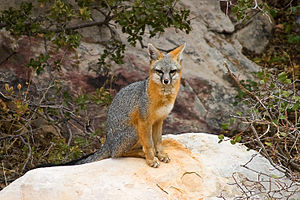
164, 110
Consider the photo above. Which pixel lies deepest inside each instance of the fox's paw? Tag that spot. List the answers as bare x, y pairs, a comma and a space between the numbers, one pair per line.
163, 157
153, 163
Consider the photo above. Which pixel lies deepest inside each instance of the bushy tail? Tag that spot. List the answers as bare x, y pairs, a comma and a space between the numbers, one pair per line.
101, 154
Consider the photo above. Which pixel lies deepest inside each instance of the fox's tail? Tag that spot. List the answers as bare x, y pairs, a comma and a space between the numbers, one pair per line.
101, 154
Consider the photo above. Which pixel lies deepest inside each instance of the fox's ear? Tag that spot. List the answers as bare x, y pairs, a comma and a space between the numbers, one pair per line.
177, 53
154, 53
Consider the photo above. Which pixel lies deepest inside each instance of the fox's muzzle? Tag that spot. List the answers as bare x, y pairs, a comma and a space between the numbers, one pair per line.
166, 79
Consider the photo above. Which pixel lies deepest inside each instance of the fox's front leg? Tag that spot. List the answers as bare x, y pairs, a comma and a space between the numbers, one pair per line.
157, 138
145, 137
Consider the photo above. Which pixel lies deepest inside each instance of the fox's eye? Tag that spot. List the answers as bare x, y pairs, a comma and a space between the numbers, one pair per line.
159, 71
173, 71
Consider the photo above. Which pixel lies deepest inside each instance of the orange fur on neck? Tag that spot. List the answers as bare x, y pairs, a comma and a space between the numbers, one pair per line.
158, 98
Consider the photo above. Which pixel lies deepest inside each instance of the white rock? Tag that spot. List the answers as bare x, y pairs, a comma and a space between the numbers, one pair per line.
200, 168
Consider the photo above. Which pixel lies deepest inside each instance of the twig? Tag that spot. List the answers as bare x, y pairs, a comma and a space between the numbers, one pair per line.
255, 171
4, 175
247, 91
256, 6
296, 140
228, 4
79, 26
294, 83
29, 153
72, 27
69, 140
264, 149
142, 44
5, 97
161, 188
274, 187
190, 173
289, 4
8, 57
179, 190
48, 150
221, 196
236, 182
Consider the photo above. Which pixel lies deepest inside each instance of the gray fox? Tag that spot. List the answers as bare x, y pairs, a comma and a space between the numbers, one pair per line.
136, 114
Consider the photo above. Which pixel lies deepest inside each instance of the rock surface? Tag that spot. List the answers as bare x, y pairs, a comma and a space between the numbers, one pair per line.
200, 168
256, 35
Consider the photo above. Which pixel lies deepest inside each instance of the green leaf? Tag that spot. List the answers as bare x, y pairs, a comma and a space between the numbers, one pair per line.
67, 96
231, 120
238, 138
288, 28
286, 94
296, 106
221, 136
269, 144
287, 81
239, 113
260, 75
283, 134
225, 126
96, 133
293, 38
282, 117
296, 98
274, 176
282, 76
262, 82
294, 9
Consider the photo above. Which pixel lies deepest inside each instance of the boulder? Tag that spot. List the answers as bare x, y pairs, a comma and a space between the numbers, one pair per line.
255, 36
200, 168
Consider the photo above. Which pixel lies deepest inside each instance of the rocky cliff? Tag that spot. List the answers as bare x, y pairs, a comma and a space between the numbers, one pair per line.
206, 95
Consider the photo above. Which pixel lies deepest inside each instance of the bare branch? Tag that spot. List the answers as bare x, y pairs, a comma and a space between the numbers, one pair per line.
247, 91
4, 174
29, 153
256, 6
264, 149
8, 57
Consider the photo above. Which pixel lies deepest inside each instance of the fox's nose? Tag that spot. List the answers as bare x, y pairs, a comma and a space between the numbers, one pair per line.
166, 81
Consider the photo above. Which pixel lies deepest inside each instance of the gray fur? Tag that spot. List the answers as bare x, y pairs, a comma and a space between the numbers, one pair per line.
153, 53
166, 65
102, 153
121, 136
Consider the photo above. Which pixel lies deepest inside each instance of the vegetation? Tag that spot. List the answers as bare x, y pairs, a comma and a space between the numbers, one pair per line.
58, 22
272, 120
44, 122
